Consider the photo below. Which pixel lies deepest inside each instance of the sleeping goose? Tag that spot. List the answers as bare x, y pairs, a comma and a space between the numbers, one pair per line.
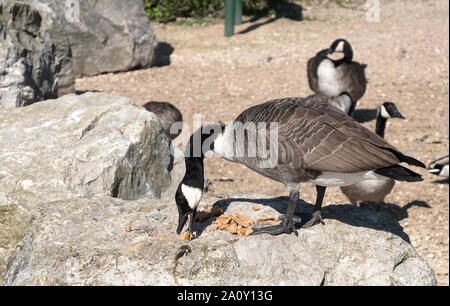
332, 71
375, 190
167, 114
439, 167
309, 140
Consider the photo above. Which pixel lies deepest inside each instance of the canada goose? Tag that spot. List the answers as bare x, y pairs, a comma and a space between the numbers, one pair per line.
375, 190
167, 114
315, 143
439, 167
331, 75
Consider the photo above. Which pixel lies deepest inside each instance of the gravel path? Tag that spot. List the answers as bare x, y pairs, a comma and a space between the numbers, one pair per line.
407, 53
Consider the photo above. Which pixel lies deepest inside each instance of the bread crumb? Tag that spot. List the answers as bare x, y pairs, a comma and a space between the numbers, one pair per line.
235, 223
186, 236
127, 228
268, 219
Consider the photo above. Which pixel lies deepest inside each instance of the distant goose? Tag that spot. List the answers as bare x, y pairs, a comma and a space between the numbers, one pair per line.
167, 114
332, 72
375, 190
316, 143
439, 167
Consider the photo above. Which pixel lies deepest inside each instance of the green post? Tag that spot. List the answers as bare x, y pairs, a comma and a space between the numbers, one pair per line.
238, 13
229, 17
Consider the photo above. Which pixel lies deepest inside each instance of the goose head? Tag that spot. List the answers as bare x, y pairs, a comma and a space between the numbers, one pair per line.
341, 50
389, 110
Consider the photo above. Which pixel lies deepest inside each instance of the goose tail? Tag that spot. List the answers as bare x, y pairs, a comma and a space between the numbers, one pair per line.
400, 173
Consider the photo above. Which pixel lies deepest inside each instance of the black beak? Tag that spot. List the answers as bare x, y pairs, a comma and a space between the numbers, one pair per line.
181, 222
182, 219
398, 115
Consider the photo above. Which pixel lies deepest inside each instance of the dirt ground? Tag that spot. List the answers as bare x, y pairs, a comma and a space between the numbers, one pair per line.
407, 54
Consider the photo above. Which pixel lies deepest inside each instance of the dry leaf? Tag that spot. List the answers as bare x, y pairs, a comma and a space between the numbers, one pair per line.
127, 228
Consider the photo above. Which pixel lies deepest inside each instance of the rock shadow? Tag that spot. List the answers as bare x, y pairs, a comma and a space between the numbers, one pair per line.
82, 92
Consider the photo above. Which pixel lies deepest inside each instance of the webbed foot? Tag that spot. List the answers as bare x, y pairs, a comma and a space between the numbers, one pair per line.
316, 218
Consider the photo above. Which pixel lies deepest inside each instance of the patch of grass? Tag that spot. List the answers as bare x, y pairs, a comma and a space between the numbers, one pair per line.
192, 22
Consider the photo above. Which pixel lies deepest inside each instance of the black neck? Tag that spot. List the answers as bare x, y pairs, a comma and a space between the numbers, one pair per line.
194, 155
194, 176
380, 125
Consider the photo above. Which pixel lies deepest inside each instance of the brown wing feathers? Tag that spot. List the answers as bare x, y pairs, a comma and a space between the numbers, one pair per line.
324, 139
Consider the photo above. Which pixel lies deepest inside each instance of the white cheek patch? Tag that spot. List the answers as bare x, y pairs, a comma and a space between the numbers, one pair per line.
384, 112
340, 47
193, 195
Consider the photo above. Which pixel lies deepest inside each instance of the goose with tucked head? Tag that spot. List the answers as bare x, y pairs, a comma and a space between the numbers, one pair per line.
332, 71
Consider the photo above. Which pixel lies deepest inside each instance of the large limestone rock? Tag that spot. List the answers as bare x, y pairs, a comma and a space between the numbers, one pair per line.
88, 145
83, 241
34, 64
105, 35
92, 144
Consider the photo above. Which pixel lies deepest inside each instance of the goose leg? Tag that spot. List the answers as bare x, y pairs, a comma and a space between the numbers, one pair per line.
317, 213
287, 226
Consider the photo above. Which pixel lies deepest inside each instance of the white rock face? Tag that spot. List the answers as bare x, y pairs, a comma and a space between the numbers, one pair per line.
88, 145
84, 242
92, 144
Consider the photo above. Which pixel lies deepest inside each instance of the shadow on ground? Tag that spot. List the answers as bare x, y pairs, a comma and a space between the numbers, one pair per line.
387, 219
443, 181
283, 10
364, 115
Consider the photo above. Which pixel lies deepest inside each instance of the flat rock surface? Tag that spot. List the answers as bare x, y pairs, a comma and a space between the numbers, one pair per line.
107, 241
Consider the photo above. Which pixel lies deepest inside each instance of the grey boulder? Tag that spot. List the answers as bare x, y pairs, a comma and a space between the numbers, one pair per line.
34, 65
91, 144
105, 35
84, 241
